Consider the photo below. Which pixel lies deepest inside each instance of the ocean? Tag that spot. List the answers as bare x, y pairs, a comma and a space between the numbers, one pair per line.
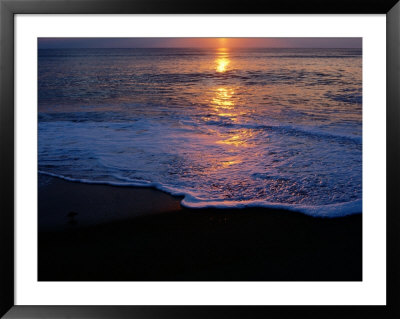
279, 128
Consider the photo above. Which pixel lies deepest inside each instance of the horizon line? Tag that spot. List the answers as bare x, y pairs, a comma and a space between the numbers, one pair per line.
199, 48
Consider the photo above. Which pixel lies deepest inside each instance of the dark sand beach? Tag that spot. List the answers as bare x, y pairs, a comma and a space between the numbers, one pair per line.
93, 232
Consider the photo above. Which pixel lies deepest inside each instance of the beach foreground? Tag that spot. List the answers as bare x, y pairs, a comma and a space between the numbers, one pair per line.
105, 233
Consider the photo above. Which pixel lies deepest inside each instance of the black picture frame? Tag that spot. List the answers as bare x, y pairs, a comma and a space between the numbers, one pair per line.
8, 8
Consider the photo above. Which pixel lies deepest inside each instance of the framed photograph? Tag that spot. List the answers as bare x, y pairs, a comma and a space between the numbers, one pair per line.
161, 159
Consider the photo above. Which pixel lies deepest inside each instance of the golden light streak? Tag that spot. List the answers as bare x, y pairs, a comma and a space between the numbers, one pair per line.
222, 61
222, 64
238, 140
228, 163
223, 98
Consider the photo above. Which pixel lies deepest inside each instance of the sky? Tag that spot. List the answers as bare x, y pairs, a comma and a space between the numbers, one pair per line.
60, 43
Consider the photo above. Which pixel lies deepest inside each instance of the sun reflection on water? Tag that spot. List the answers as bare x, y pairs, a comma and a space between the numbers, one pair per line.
238, 138
222, 64
222, 61
223, 98
224, 105
229, 162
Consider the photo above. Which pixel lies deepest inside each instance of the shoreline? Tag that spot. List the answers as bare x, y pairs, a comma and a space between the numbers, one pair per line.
90, 232
174, 202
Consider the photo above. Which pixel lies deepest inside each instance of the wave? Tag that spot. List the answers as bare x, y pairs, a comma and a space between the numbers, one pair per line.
116, 118
292, 130
314, 132
191, 201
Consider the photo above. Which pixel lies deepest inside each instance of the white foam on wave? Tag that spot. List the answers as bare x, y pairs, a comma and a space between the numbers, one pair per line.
191, 201
331, 210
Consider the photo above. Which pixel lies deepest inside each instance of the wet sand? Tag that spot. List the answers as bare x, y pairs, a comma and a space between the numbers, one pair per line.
105, 233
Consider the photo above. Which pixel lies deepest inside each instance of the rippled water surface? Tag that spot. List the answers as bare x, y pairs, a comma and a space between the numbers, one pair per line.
238, 127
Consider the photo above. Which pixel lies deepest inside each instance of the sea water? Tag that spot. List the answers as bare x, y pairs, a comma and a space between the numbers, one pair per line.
222, 127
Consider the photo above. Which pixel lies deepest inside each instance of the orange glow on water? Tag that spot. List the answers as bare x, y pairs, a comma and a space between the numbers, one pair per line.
238, 139
223, 103
227, 163
222, 61
223, 98
222, 64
